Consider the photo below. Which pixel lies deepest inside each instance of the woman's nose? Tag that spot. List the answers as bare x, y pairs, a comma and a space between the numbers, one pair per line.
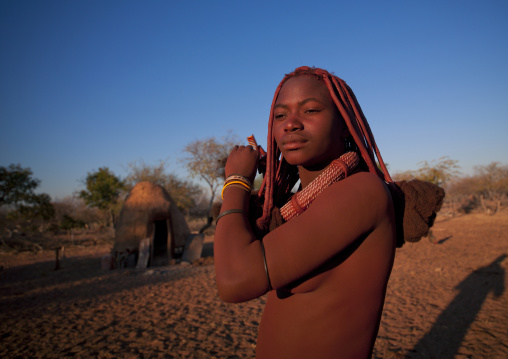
293, 123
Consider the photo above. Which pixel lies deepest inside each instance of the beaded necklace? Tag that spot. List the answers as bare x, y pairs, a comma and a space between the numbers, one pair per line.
336, 171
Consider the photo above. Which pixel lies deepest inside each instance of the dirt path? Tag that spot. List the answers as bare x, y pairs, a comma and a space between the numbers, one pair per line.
445, 300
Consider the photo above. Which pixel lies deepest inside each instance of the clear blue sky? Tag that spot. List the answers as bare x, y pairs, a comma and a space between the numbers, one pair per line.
91, 83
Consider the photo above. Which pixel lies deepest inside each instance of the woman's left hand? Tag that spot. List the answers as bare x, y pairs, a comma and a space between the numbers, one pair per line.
243, 161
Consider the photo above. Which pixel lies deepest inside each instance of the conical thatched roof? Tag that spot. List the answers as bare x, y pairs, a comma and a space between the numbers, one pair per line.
145, 204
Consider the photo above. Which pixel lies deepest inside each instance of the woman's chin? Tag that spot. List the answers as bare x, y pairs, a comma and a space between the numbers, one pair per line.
295, 159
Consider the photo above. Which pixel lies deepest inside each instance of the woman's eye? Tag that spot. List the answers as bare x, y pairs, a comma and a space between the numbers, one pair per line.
278, 116
311, 110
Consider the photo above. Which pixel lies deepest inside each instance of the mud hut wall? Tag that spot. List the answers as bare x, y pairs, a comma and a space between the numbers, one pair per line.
146, 203
143, 202
133, 226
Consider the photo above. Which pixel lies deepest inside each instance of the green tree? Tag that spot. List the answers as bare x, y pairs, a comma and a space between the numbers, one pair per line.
39, 207
204, 158
184, 193
17, 193
103, 190
16, 185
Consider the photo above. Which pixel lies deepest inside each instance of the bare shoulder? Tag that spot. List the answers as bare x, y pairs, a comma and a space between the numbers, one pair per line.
369, 183
364, 193
364, 184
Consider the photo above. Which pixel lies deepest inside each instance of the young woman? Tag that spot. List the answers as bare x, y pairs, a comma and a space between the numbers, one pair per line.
324, 255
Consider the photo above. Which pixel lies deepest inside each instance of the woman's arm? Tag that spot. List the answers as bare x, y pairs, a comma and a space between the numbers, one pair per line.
347, 211
239, 267
343, 213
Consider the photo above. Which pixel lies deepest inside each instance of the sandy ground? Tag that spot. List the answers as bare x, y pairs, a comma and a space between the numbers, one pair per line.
446, 299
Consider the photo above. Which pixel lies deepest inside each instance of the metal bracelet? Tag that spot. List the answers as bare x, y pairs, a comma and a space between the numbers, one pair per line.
266, 266
239, 178
229, 211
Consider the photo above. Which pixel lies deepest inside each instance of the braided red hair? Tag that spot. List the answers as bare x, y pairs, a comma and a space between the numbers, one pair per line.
280, 178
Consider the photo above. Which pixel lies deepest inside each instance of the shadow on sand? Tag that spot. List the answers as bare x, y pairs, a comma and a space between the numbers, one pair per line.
80, 278
451, 326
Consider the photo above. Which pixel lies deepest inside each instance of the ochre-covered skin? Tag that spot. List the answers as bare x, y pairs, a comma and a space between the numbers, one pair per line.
345, 253
329, 266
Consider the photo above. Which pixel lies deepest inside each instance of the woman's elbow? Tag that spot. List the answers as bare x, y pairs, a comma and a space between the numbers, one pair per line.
232, 291
229, 296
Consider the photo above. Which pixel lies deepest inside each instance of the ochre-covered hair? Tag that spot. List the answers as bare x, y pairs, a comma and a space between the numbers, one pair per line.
280, 177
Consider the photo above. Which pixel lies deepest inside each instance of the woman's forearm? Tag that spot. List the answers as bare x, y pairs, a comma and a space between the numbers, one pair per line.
239, 264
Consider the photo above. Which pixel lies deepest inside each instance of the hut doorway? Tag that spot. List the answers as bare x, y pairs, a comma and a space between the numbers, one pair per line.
161, 239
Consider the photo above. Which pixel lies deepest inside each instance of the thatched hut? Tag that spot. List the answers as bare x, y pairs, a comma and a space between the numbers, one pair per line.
149, 214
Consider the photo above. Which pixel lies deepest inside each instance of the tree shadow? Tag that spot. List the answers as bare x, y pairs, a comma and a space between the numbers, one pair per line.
446, 335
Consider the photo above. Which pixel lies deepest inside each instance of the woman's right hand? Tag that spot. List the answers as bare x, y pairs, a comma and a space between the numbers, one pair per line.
243, 161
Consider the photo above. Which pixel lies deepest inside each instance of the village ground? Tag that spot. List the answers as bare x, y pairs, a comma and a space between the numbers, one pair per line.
446, 299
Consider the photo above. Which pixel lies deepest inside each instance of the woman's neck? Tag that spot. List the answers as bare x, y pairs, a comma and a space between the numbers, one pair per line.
308, 175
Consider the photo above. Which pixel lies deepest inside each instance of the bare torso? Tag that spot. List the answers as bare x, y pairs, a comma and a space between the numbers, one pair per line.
335, 312
329, 267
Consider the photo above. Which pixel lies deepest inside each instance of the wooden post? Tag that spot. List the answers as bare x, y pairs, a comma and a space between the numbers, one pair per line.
57, 253
145, 246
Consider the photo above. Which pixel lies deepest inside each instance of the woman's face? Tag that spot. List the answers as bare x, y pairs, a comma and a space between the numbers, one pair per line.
307, 125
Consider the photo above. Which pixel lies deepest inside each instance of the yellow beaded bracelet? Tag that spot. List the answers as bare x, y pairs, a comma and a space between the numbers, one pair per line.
234, 182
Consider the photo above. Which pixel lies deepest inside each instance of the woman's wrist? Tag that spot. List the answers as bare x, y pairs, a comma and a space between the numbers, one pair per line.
235, 197
238, 177
236, 181
235, 191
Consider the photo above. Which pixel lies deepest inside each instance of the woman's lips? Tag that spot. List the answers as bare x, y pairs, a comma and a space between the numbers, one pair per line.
292, 142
